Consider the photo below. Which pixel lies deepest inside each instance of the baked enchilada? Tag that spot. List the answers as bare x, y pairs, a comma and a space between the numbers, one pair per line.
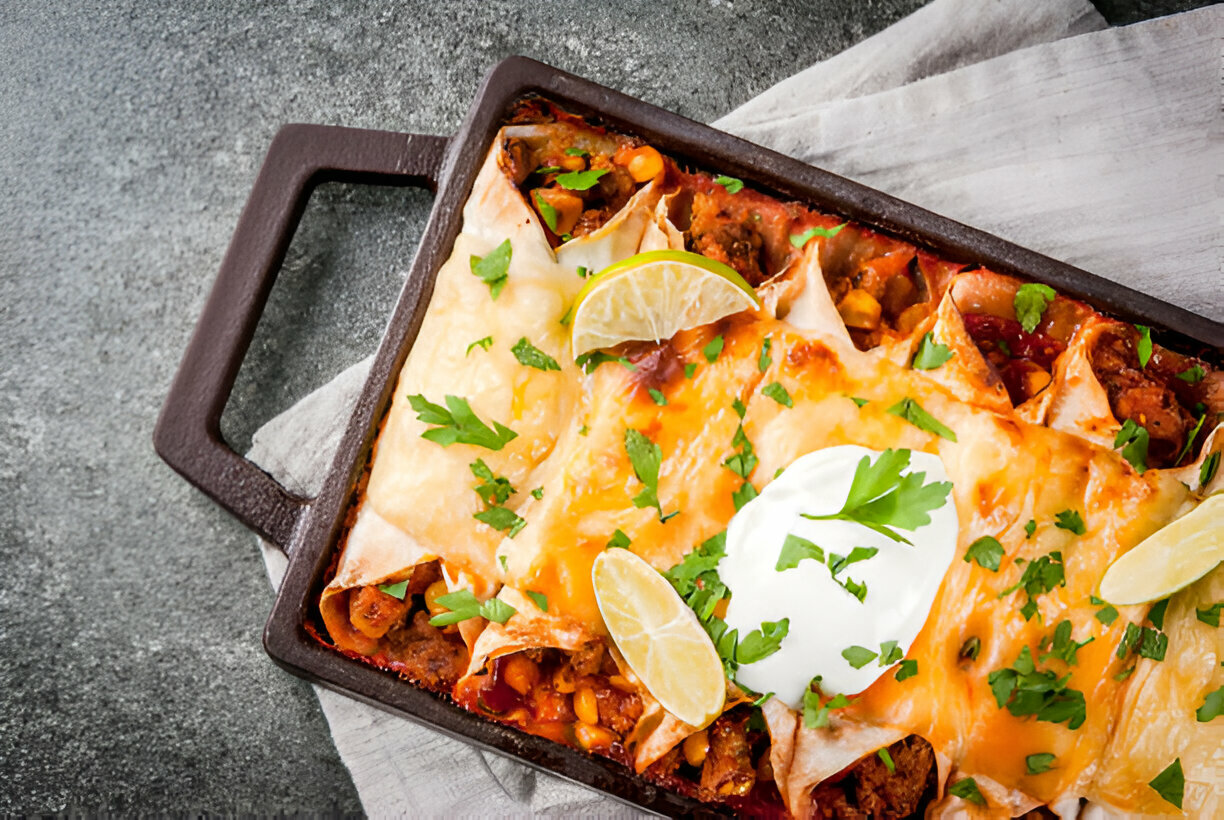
883, 486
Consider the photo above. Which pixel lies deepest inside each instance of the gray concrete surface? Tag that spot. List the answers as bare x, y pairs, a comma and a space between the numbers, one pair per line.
131, 672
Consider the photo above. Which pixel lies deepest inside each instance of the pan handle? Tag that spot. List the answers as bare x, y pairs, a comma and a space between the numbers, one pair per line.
188, 433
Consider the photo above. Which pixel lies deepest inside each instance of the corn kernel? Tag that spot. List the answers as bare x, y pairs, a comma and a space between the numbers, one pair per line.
646, 164
592, 737
563, 679
520, 674
586, 706
859, 309
696, 747
435, 590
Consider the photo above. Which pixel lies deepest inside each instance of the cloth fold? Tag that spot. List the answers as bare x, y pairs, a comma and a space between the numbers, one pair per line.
1102, 147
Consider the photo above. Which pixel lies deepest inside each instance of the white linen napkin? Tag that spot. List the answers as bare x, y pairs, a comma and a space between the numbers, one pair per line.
1101, 147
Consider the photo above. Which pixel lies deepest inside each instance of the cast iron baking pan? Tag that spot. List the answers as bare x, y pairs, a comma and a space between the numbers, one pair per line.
188, 433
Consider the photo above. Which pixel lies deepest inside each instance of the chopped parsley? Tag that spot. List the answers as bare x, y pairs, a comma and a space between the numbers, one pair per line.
967, 789
743, 495
1192, 375
859, 402
1208, 470
589, 361
464, 605
575, 152
540, 599
815, 713
837, 562
531, 356
713, 348
1143, 347
1071, 521
395, 590
987, 551
457, 424
583, 430
658, 397
1144, 641
887, 760
762, 699
890, 653
764, 361
1061, 645
548, 169
1210, 615
912, 412
794, 550
1107, 614
646, 457
501, 559
733, 185
883, 500
1190, 438
744, 460
906, 670
739, 408
1135, 439
618, 539
1030, 528
1212, 708
547, 212
1030, 303
1039, 577
761, 643
777, 392
970, 649
1171, 783
858, 656
690, 369
580, 180
798, 240
930, 353
503, 519
1025, 691
493, 268
1156, 614
483, 344
582, 272
1038, 763
493, 489
537, 493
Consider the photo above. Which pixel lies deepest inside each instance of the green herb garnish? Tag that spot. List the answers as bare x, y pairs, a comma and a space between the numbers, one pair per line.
1025, 691
987, 551
589, 361
1030, 528
1171, 783
1210, 615
1143, 348
887, 760
658, 397
502, 519
580, 180
967, 789
796, 549
464, 605
778, 393
492, 488
690, 369
645, 456
1061, 645
1071, 521
398, 590
930, 354
765, 361
1135, 439
890, 653
1190, 438
456, 423
798, 240
761, 643
493, 268
1212, 708
743, 495
907, 670
537, 493
912, 412
1030, 302
859, 402
1192, 375
1038, 763
1107, 614
1208, 470
713, 348
619, 539
970, 649
539, 598
815, 713
483, 344
575, 152
531, 356
858, 656
1039, 577
733, 185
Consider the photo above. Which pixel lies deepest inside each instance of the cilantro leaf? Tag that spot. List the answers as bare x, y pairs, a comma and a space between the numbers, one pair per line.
970, 649
1108, 612
1038, 763
494, 490
690, 369
1192, 375
496, 610
761, 643
798, 240
658, 397
887, 760
1030, 528
930, 354
1135, 439
883, 500
854, 588
589, 361
858, 656
762, 699
1208, 470
890, 653
456, 423
1145, 641
1212, 708
765, 360
537, 493
580, 180
547, 212
739, 408
618, 539
1171, 783
743, 495
483, 344
837, 562
907, 670
1190, 438
462, 605
493, 268
582, 272
501, 559
1143, 347
816, 714
912, 412
503, 519
987, 551
777, 392
395, 590
547, 169
1024, 690
539, 598
1210, 615
796, 549
575, 152
713, 348
1156, 614
733, 185
645, 456
1061, 645
1039, 577
1030, 302
1071, 521
531, 356
967, 789
859, 402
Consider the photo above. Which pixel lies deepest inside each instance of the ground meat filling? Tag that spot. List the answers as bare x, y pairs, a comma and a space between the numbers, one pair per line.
1024, 361
877, 283
869, 789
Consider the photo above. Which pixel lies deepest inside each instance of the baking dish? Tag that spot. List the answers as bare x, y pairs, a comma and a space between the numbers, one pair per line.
188, 436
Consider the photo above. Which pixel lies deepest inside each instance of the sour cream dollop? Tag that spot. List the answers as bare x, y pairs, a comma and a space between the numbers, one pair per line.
826, 619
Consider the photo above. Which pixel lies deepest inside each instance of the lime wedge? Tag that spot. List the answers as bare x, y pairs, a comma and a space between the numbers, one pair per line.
652, 295
659, 637
1172, 558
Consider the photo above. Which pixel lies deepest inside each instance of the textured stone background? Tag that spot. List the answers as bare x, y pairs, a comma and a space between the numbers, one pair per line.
131, 672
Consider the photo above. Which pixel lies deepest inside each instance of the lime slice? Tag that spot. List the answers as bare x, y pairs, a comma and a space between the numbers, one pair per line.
659, 637
652, 295
1172, 558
